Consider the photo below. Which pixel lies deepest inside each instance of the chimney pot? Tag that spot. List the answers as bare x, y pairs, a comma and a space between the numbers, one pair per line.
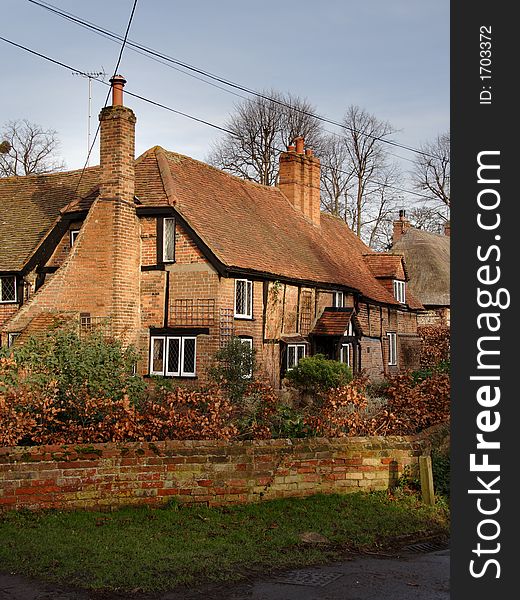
299, 145
291, 148
402, 214
118, 83
308, 152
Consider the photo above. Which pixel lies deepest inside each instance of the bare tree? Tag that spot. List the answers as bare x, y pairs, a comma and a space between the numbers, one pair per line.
260, 129
379, 212
336, 176
431, 172
28, 148
363, 135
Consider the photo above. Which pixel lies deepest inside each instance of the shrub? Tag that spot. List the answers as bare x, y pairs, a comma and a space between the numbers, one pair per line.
75, 366
317, 374
233, 368
441, 473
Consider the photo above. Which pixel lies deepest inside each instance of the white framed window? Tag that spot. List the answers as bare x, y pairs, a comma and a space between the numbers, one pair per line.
173, 356
248, 341
345, 354
400, 290
392, 348
11, 337
338, 299
8, 288
73, 235
168, 239
295, 352
243, 299
349, 332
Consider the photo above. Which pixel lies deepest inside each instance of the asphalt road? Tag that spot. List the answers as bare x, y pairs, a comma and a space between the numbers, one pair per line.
406, 577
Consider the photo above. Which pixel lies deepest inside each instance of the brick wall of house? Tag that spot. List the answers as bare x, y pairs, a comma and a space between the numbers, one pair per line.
148, 226
7, 310
372, 357
105, 476
63, 247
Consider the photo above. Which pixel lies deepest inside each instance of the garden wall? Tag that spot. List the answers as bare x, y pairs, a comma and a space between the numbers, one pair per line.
105, 476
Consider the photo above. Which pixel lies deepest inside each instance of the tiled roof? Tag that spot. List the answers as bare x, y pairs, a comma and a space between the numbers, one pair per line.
247, 226
385, 265
254, 227
333, 321
30, 205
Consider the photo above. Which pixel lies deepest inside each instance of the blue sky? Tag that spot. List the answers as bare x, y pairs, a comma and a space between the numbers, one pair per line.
389, 56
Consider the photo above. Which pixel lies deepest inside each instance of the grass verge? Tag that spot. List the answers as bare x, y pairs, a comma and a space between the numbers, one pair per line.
154, 550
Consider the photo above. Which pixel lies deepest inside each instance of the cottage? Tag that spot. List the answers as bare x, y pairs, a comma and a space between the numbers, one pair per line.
427, 257
176, 257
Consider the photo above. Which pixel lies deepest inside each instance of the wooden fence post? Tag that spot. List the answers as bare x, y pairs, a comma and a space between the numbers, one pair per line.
425, 470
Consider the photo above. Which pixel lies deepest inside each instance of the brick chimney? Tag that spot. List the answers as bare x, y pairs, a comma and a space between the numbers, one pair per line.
401, 226
117, 146
101, 275
299, 179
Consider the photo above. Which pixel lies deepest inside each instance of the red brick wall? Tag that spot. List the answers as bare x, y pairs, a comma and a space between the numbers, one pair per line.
63, 248
103, 476
6, 312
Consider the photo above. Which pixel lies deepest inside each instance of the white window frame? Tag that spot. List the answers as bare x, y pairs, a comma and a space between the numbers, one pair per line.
73, 235
166, 340
392, 348
11, 337
400, 290
249, 342
169, 221
297, 358
338, 299
2, 301
348, 348
248, 299
152, 343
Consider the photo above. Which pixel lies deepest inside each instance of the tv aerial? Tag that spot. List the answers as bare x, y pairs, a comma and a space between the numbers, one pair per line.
99, 76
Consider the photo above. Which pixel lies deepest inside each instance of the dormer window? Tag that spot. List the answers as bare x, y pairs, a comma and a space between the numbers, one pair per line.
73, 235
400, 290
338, 299
8, 288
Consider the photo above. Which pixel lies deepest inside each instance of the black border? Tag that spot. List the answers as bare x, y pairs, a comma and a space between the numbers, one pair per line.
477, 127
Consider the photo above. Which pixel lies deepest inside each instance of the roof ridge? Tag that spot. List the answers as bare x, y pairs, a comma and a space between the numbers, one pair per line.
165, 174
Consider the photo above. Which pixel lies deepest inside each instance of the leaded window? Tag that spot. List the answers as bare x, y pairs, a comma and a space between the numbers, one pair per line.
8, 288
168, 240
243, 299
392, 348
173, 356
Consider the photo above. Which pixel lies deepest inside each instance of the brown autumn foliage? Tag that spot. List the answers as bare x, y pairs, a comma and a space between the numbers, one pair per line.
32, 416
411, 407
435, 345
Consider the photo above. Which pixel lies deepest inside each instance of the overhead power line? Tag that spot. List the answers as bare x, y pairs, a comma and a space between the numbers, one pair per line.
178, 112
108, 94
154, 53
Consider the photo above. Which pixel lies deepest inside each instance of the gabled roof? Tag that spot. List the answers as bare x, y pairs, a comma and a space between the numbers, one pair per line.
427, 257
335, 322
246, 226
386, 266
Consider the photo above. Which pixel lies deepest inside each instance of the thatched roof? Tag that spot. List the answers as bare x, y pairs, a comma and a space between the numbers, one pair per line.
427, 257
